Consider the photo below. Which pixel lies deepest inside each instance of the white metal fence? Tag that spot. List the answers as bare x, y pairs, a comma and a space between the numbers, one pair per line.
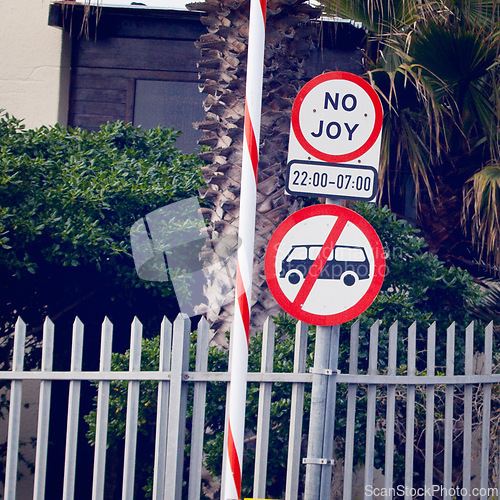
432, 427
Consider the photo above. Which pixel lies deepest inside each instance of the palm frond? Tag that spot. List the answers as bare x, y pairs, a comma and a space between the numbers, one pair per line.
481, 214
488, 307
412, 135
482, 14
466, 65
377, 16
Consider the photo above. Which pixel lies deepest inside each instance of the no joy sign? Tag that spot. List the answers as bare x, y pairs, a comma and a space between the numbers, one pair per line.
325, 265
337, 117
335, 134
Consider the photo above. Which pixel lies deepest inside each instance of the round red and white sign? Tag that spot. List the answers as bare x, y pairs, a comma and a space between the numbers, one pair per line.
337, 117
325, 265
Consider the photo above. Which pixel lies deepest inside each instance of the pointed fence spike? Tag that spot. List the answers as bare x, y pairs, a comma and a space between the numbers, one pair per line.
78, 322
165, 322
203, 336
182, 317
47, 344
13, 431
48, 322
20, 323
19, 345
177, 406
106, 321
203, 323
136, 322
135, 345
133, 391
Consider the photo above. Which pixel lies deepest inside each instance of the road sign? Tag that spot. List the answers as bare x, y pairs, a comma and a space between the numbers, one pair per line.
325, 265
336, 119
337, 116
333, 180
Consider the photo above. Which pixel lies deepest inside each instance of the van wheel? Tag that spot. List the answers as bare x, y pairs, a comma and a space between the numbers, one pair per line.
349, 279
294, 277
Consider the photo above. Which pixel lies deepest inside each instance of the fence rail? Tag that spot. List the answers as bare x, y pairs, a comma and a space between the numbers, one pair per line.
415, 402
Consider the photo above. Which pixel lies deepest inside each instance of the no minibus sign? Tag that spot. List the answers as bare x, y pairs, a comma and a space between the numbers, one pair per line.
325, 265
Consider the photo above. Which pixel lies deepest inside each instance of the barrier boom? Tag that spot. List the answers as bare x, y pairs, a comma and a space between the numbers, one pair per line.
241, 326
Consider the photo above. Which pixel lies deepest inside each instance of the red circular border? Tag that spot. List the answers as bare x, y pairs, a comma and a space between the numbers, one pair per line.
363, 303
337, 75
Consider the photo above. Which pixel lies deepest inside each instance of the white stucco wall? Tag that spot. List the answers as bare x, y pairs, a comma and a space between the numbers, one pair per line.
34, 71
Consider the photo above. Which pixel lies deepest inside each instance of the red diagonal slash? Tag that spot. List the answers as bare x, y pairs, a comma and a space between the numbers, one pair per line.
320, 261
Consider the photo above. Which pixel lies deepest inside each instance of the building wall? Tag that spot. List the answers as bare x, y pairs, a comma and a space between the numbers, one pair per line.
35, 63
139, 67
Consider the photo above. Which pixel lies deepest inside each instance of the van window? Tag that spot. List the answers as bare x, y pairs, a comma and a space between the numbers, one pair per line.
298, 253
314, 252
350, 254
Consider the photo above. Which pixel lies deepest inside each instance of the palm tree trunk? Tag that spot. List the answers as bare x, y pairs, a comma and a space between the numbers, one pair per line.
289, 40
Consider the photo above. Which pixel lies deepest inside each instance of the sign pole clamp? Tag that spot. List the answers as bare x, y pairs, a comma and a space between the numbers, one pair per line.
323, 371
318, 461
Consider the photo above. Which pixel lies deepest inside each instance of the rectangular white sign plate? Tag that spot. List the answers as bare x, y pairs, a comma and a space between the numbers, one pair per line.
331, 180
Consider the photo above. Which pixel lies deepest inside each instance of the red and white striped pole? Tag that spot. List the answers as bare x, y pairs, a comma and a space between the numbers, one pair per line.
248, 194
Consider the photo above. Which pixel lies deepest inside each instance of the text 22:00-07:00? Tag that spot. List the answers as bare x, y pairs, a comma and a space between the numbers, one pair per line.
341, 181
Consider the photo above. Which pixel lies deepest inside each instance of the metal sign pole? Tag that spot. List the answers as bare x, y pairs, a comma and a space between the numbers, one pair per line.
315, 459
323, 395
319, 459
329, 431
